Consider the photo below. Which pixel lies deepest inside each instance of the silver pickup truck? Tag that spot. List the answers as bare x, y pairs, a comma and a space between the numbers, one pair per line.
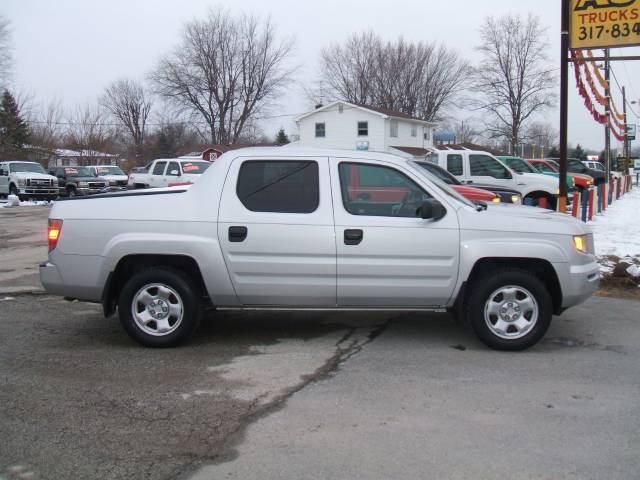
297, 229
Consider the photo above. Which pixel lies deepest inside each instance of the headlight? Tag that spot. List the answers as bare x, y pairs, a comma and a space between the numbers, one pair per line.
516, 199
21, 182
496, 199
580, 242
83, 184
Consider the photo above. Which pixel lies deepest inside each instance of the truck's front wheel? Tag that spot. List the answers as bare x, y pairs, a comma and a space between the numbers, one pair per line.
159, 307
509, 309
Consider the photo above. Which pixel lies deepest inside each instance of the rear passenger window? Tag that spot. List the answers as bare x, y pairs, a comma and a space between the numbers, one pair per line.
173, 167
454, 164
485, 166
279, 186
159, 168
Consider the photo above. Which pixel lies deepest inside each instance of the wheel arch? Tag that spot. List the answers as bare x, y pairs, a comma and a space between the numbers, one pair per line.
541, 268
130, 264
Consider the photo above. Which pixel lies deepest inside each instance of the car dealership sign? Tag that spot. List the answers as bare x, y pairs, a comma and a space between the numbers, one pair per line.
604, 23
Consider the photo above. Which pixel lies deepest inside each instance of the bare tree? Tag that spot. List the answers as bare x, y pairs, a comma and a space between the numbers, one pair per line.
543, 135
466, 132
226, 70
129, 103
45, 126
6, 53
419, 79
513, 79
88, 132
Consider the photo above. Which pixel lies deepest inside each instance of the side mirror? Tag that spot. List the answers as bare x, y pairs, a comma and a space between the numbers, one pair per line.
431, 209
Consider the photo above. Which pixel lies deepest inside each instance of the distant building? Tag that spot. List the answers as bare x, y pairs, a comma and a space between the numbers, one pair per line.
350, 126
60, 157
444, 138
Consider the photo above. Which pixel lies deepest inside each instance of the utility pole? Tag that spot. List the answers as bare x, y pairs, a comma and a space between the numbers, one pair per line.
564, 100
626, 128
607, 130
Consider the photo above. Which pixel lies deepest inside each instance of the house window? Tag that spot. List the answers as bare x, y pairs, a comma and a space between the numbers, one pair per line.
427, 134
320, 130
363, 129
394, 128
414, 130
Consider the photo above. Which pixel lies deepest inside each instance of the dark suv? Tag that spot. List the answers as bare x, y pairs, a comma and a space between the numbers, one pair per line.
576, 166
75, 181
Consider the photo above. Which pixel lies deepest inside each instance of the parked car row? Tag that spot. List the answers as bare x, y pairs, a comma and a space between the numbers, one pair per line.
29, 180
478, 168
477, 175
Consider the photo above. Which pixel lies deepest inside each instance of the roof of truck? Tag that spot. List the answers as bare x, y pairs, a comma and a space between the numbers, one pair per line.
288, 153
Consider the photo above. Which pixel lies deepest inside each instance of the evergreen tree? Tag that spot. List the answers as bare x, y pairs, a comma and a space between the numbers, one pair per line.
14, 132
553, 153
578, 153
282, 138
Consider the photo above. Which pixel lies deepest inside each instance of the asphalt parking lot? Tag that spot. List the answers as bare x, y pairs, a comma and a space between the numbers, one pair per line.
308, 395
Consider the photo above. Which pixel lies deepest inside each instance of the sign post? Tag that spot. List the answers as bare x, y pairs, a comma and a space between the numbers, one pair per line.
591, 24
564, 101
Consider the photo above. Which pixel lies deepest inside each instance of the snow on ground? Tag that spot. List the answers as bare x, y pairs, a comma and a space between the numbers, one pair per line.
617, 232
12, 201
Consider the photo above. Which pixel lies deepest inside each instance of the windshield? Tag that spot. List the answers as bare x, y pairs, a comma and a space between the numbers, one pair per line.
78, 172
442, 174
546, 167
108, 170
520, 166
194, 168
446, 189
26, 167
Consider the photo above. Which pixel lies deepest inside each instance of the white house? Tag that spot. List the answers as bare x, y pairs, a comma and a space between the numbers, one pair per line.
349, 126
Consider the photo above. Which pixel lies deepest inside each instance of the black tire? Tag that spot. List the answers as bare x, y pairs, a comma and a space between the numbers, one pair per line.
13, 190
175, 280
71, 192
480, 293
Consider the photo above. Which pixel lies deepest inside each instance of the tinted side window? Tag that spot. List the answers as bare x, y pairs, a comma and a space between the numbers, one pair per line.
483, 165
173, 166
159, 168
279, 186
454, 164
393, 194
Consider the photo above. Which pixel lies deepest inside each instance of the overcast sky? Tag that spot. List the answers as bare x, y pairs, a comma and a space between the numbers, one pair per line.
71, 49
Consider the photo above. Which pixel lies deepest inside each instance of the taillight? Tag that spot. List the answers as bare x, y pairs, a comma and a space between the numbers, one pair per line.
55, 227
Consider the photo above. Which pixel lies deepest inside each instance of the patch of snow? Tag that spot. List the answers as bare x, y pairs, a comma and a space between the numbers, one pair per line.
617, 231
634, 270
13, 201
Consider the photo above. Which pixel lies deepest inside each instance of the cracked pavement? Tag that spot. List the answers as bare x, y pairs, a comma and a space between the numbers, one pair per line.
307, 395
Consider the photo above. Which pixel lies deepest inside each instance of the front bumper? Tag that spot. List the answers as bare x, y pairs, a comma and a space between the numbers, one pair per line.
38, 191
578, 282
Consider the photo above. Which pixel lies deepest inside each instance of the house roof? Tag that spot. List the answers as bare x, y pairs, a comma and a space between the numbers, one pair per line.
384, 112
415, 151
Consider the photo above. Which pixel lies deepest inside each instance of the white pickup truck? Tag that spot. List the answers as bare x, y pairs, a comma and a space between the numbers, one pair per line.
167, 173
267, 228
27, 180
478, 167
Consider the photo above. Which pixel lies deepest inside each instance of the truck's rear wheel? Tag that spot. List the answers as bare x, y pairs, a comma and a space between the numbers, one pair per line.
509, 310
159, 307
